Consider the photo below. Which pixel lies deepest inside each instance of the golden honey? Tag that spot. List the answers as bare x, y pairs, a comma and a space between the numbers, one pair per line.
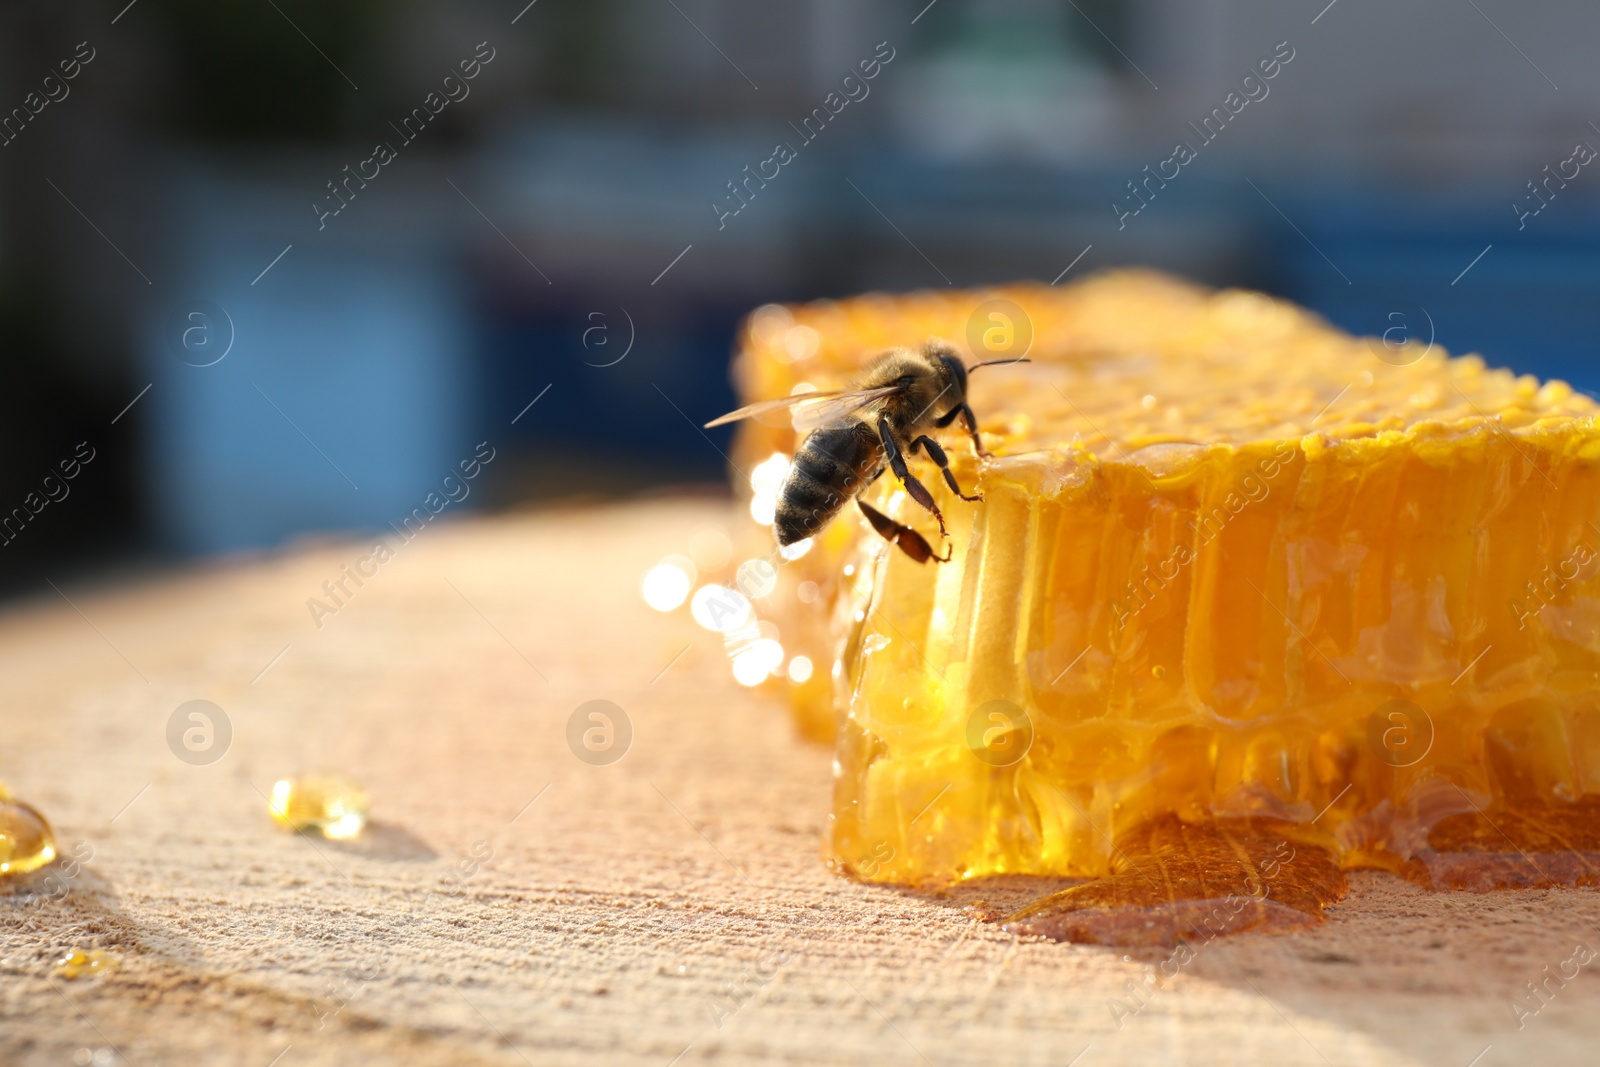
329, 803
26, 840
1233, 568
81, 964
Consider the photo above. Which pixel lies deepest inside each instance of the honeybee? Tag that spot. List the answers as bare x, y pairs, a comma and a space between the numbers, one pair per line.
853, 435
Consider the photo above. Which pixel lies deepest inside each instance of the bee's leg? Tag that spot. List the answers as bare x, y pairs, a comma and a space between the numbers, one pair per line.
905, 538
935, 453
965, 410
897, 463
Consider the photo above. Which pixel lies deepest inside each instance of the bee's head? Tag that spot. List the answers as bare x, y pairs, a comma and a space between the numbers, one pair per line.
944, 355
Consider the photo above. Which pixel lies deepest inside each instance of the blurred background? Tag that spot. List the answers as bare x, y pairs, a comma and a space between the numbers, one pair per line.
260, 327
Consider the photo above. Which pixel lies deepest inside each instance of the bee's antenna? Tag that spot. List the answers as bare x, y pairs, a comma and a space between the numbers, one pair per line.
999, 363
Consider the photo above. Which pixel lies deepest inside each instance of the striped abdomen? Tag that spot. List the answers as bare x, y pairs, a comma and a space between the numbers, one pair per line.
831, 467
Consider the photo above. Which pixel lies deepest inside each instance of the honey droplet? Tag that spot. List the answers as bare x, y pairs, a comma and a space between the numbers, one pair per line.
26, 840
1158, 672
80, 964
330, 803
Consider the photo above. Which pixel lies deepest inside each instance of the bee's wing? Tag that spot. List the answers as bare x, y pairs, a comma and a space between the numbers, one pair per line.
810, 410
808, 417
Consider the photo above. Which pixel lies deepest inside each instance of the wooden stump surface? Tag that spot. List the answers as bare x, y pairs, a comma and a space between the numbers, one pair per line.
512, 904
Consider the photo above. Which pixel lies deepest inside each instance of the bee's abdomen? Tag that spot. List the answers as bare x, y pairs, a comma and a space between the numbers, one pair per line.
828, 470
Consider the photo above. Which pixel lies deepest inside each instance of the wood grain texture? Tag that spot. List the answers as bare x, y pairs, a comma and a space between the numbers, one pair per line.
670, 908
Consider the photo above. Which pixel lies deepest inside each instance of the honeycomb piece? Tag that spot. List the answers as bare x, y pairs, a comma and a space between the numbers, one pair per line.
1231, 563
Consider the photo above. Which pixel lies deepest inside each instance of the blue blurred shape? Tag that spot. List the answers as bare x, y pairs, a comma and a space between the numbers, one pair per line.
344, 396
1523, 299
